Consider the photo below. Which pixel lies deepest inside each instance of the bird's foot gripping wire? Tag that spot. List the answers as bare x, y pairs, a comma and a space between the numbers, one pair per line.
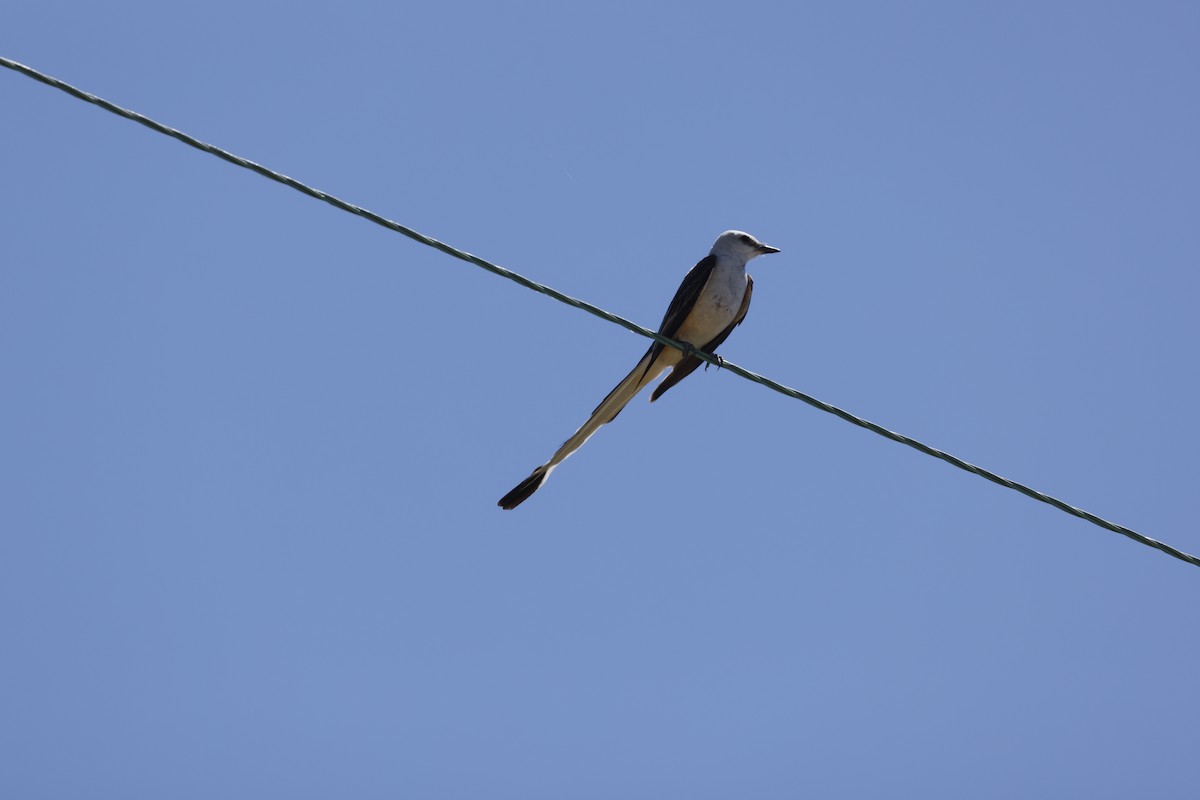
690, 349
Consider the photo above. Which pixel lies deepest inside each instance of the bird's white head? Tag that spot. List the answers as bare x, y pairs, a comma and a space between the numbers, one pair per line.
741, 246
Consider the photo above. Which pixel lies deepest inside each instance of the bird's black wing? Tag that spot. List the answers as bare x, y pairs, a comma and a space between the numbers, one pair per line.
681, 305
684, 300
686, 296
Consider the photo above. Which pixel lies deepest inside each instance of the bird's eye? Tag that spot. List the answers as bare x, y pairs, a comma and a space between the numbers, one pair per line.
745, 239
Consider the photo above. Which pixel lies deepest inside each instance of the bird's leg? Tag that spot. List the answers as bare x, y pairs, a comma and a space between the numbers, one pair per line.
690, 349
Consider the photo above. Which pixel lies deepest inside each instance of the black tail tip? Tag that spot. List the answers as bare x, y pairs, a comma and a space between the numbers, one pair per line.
523, 490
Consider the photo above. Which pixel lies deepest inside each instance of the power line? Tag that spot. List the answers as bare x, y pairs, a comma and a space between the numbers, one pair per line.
599, 312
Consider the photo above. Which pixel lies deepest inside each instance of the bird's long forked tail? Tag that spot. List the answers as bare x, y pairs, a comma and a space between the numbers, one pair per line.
524, 489
646, 370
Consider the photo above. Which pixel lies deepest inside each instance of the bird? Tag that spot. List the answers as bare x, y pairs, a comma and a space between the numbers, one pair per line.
711, 301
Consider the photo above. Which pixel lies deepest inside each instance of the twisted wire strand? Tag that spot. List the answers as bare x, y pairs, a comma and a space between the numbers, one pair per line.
599, 312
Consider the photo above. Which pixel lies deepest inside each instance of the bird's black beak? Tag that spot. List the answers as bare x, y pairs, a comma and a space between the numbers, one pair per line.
766, 248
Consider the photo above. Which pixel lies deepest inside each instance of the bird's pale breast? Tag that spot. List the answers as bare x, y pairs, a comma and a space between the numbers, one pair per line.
717, 305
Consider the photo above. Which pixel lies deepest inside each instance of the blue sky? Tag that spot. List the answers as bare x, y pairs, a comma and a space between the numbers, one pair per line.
251, 446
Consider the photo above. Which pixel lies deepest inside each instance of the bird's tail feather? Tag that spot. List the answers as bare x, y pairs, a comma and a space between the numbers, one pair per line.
684, 368
610, 406
646, 370
524, 489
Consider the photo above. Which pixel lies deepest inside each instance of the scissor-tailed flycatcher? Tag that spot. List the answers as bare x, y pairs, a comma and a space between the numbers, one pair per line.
711, 302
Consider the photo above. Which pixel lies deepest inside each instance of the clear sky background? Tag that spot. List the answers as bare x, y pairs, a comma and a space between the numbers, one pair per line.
251, 446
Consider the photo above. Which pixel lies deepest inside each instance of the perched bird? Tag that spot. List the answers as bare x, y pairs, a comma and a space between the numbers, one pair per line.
710, 303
